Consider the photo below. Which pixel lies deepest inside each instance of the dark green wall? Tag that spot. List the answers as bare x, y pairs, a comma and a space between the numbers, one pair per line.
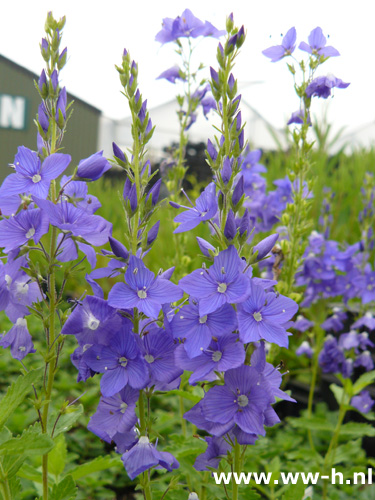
81, 136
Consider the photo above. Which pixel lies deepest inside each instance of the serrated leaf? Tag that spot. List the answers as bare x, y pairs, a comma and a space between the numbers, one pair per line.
10, 464
96, 465
65, 490
363, 381
17, 393
30, 442
65, 422
357, 430
57, 457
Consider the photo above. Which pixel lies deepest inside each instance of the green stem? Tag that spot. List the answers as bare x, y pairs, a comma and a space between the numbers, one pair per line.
5, 490
51, 339
330, 455
236, 468
183, 421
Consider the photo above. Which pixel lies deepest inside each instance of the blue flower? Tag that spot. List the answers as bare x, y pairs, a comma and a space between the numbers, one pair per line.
93, 167
322, 86
317, 44
27, 225
362, 402
144, 456
32, 176
223, 283
18, 339
264, 316
143, 290
286, 48
120, 361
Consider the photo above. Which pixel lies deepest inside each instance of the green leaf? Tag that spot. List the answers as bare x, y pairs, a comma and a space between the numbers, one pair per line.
338, 392
363, 381
57, 457
295, 491
10, 464
66, 421
96, 465
30, 442
17, 393
357, 430
30, 473
314, 423
65, 490
186, 395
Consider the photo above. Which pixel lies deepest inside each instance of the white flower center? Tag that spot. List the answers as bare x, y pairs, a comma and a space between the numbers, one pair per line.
21, 322
8, 280
217, 356
36, 178
143, 440
123, 407
123, 362
222, 288
92, 322
257, 316
243, 400
203, 319
22, 288
22, 348
142, 294
30, 233
149, 358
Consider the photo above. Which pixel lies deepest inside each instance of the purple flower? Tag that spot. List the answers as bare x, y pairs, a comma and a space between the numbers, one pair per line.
115, 414
92, 228
16, 290
223, 283
302, 324
222, 355
18, 339
286, 48
32, 176
305, 350
120, 361
216, 450
367, 320
322, 86
365, 360
144, 456
92, 321
363, 402
264, 315
317, 44
331, 356
186, 26
198, 330
27, 225
143, 290
241, 400
207, 104
93, 167
157, 347
171, 74
205, 209
76, 192
298, 117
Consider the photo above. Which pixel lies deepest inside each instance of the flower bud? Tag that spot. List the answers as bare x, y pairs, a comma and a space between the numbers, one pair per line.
211, 150
265, 246
226, 172
118, 153
214, 77
93, 167
153, 233
245, 223
62, 59
205, 247
118, 248
230, 228
54, 80
154, 192
43, 118
42, 84
229, 23
240, 37
238, 192
44, 48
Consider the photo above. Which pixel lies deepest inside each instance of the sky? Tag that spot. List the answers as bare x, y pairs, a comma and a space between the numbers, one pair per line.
97, 33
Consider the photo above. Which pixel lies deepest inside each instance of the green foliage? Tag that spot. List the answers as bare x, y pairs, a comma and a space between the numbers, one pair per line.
16, 393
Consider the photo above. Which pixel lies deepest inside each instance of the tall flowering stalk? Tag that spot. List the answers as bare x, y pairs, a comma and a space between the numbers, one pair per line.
230, 314
41, 219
